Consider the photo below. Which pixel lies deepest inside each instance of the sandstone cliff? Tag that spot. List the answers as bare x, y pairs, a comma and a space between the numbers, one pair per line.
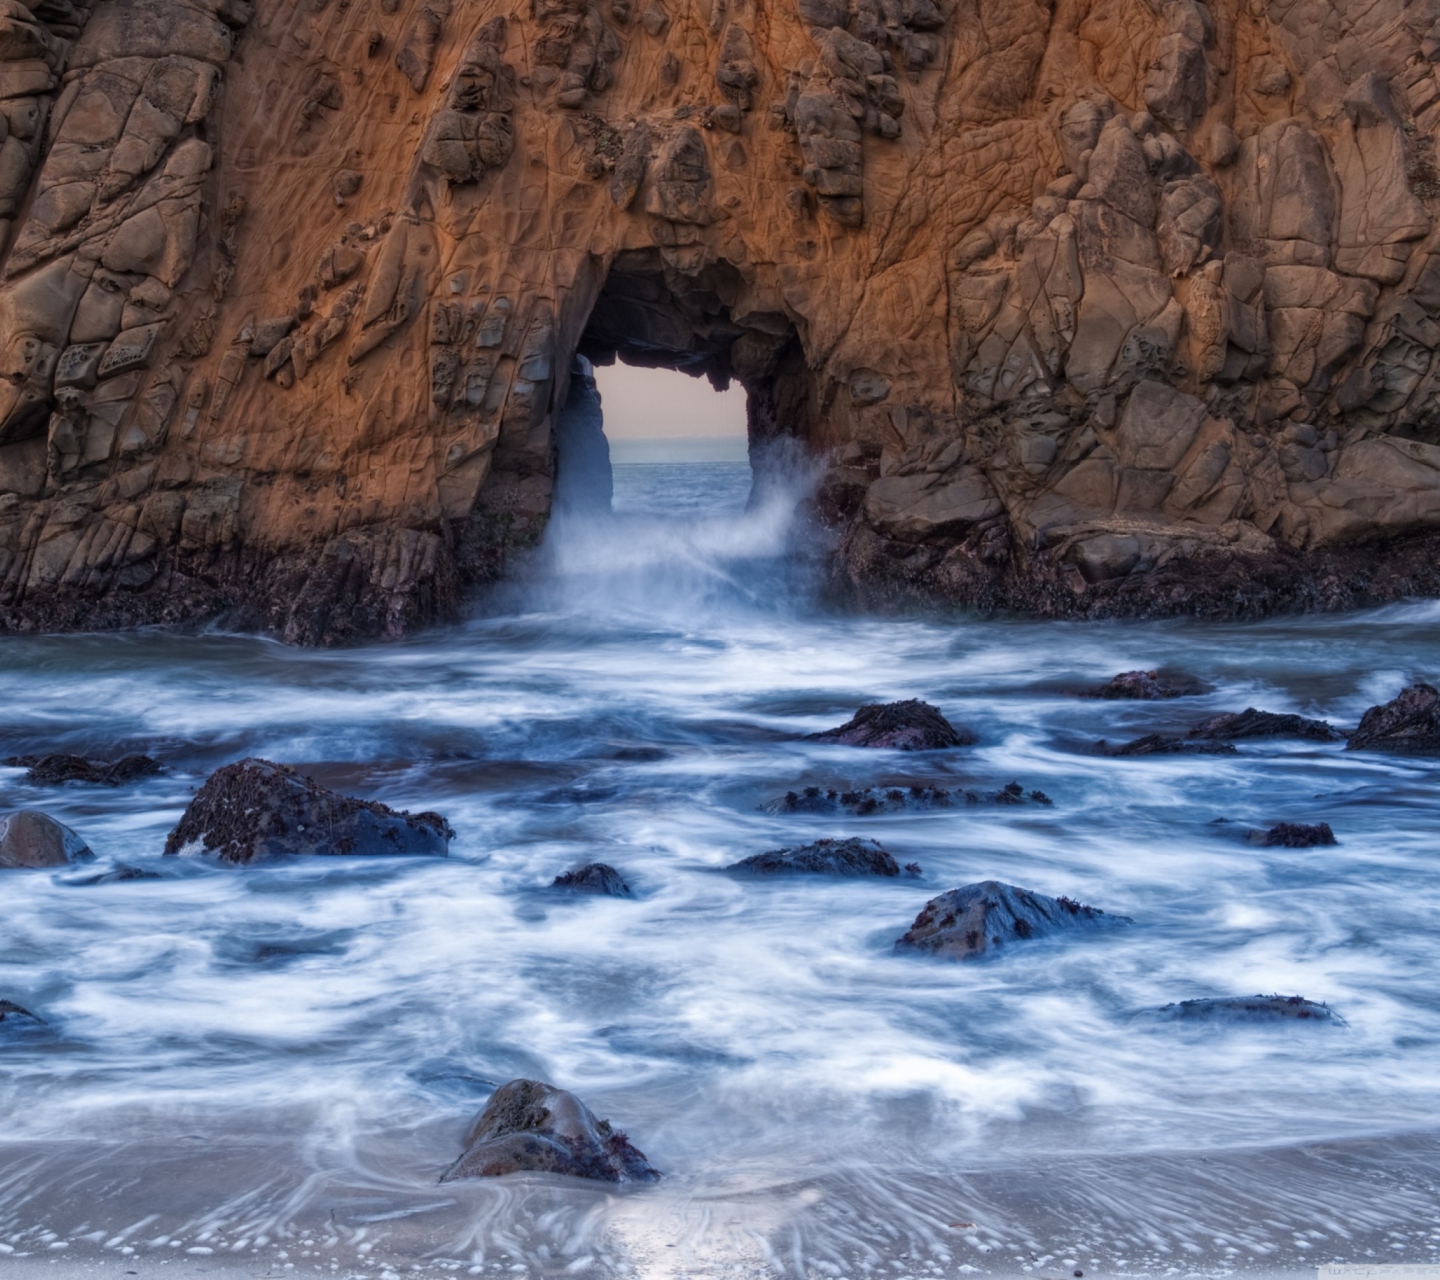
1093, 306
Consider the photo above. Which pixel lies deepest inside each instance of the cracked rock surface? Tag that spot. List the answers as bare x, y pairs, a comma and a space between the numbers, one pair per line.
1123, 310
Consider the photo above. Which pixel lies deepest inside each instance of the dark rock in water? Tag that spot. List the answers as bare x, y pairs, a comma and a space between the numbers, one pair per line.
531, 1127
1246, 1009
16, 1021
594, 877
1150, 686
852, 857
29, 838
52, 770
1408, 723
971, 921
1264, 724
1163, 744
254, 810
121, 873
901, 726
871, 800
1296, 835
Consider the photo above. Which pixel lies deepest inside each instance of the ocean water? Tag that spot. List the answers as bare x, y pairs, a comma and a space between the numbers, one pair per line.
274, 1065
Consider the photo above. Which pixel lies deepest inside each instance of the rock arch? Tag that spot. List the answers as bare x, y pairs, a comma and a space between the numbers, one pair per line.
1130, 311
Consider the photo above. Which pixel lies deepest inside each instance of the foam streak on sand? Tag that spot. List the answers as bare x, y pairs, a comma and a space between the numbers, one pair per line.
275, 1063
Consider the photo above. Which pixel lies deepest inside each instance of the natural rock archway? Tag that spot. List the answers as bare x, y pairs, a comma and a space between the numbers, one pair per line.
1093, 306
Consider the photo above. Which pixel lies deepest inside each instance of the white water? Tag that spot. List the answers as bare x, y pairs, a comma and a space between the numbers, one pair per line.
275, 1045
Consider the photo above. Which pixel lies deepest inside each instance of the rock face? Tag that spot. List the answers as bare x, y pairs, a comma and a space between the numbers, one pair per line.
899, 726
1297, 835
1409, 724
17, 1022
52, 770
1130, 310
255, 810
1167, 744
1246, 1009
848, 858
979, 919
594, 877
1234, 725
1150, 686
31, 839
530, 1127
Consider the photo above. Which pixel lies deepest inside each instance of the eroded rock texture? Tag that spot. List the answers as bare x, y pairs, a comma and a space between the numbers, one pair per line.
1125, 306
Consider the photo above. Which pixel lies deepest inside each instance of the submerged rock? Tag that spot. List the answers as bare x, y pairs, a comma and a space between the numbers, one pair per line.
121, 873
29, 838
1296, 835
594, 877
16, 1021
254, 809
52, 770
852, 857
1246, 1009
1150, 686
532, 1127
871, 800
1264, 724
900, 726
1409, 723
1164, 744
970, 922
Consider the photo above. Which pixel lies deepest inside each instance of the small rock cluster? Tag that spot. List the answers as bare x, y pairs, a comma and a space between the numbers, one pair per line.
872, 800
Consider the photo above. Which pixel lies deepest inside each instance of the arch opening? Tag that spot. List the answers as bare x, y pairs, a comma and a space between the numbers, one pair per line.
651, 315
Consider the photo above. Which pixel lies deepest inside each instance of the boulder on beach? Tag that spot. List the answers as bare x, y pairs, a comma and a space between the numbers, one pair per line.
1264, 724
976, 919
864, 801
900, 726
1409, 724
594, 877
254, 810
17, 1022
1164, 744
851, 858
1296, 835
52, 770
1241, 1009
532, 1127
29, 839
1150, 686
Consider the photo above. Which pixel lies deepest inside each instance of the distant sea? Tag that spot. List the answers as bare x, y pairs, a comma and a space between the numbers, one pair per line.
680, 449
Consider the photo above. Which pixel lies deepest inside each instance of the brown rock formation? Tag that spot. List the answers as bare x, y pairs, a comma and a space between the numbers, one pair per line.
1097, 306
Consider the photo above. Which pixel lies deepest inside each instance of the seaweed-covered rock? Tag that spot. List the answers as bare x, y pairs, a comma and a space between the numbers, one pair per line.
17, 1022
1264, 724
1164, 744
900, 726
1297, 835
1150, 686
532, 1127
1409, 724
254, 810
52, 770
29, 838
1242, 1009
594, 877
972, 921
852, 857
865, 801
